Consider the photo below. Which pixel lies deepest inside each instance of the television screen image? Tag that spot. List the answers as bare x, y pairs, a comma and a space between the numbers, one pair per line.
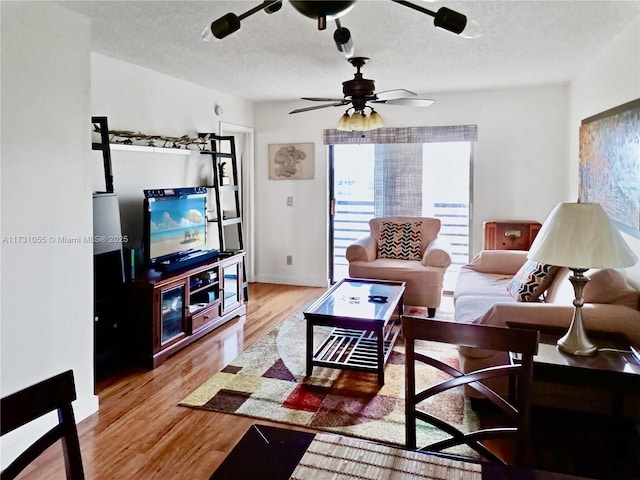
176, 224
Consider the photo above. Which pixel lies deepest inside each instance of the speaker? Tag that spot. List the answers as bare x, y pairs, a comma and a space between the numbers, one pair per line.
108, 284
107, 233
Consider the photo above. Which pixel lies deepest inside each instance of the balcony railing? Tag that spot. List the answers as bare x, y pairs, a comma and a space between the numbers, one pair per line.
351, 222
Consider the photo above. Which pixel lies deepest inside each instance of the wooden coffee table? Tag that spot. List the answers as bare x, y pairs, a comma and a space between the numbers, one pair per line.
364, 330
614, 368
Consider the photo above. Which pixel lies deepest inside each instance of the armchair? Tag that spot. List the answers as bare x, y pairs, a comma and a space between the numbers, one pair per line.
405, 249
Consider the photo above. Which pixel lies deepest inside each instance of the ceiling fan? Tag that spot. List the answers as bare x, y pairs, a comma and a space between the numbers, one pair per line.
359, 93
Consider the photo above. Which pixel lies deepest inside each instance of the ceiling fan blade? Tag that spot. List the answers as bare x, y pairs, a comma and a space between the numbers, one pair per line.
410, 102
393, 94
320, 99
316, 107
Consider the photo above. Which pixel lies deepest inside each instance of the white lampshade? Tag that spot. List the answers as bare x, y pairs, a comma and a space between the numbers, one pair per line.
580, 235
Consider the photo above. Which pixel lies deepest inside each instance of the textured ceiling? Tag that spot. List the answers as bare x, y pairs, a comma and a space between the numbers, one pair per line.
283, 56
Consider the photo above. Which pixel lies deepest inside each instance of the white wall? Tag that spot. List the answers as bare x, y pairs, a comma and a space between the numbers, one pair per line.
46, 315
610, 79
521, 144
142, 100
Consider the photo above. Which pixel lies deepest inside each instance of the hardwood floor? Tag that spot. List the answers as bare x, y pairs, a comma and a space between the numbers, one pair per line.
141, 433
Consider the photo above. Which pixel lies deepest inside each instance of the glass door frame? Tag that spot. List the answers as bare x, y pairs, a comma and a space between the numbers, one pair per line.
332, 208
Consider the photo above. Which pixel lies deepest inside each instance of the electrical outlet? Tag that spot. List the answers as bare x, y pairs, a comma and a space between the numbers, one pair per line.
289, 201
289, 259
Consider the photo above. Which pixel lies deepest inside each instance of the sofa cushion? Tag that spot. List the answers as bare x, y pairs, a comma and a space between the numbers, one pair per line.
498, 261
468, 308
530, 282
473, 284
606, 286
400, 240
423, 284
610, 286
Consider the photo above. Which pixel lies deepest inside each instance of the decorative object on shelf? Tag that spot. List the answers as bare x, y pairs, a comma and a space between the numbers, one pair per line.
224, 178
580, 236
127, 137
322, 11
358, 93
610, 164
291, 161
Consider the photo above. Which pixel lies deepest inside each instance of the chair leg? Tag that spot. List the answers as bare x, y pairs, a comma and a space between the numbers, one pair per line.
431, 312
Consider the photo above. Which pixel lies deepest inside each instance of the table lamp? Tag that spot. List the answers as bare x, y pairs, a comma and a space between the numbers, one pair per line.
580, 236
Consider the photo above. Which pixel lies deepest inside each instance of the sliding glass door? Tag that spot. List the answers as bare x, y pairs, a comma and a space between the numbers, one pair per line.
414, 179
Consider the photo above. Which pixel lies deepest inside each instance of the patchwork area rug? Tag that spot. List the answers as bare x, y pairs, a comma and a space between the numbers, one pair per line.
267, 381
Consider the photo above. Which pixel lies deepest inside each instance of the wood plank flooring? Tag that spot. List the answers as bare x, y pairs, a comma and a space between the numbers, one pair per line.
141, 433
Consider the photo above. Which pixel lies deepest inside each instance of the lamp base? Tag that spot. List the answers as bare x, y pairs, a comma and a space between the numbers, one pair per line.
575, 341
574, 346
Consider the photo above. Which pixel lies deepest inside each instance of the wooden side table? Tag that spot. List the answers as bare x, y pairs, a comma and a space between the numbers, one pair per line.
613, 369
510, 234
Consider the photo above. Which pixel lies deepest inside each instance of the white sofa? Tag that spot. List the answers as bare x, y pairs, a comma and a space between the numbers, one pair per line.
481, 296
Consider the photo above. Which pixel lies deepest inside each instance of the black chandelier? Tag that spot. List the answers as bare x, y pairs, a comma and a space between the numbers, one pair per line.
322, 11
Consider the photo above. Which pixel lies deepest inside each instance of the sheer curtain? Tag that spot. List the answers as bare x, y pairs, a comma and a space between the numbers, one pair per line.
398, 180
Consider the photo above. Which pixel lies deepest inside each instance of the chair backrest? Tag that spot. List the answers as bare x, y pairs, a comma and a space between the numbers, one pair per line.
517, 407
24, 406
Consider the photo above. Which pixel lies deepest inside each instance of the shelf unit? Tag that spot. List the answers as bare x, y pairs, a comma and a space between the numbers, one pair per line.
225, 187
145, 149
173, 309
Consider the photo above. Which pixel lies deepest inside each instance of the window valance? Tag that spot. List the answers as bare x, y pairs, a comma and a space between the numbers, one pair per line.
453, 133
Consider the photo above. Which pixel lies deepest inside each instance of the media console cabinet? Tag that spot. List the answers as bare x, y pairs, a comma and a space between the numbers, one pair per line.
173, 309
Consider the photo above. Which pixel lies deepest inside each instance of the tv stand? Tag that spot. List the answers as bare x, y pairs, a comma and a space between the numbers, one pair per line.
172, 309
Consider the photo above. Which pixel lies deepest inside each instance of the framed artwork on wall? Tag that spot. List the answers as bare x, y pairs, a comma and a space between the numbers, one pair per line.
610, 164
291, 161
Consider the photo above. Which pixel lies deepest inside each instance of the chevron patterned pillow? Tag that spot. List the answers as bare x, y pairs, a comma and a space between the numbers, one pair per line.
531, 281
400, 240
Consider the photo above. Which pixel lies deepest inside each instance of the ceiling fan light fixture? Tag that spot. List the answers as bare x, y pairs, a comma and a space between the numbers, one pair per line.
472, 30
323, 10
274, 7
359, 122
344, 42
450, 20
375, 120
225, 25
344, 124
229, 23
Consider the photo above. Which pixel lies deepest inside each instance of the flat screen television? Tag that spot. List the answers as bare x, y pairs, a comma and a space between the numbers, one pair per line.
175, 223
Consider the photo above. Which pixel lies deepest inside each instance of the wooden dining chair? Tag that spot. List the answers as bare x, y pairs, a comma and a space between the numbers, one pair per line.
24, 406
517, 406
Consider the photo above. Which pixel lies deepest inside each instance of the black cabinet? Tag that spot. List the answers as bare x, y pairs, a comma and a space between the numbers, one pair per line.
109, 293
